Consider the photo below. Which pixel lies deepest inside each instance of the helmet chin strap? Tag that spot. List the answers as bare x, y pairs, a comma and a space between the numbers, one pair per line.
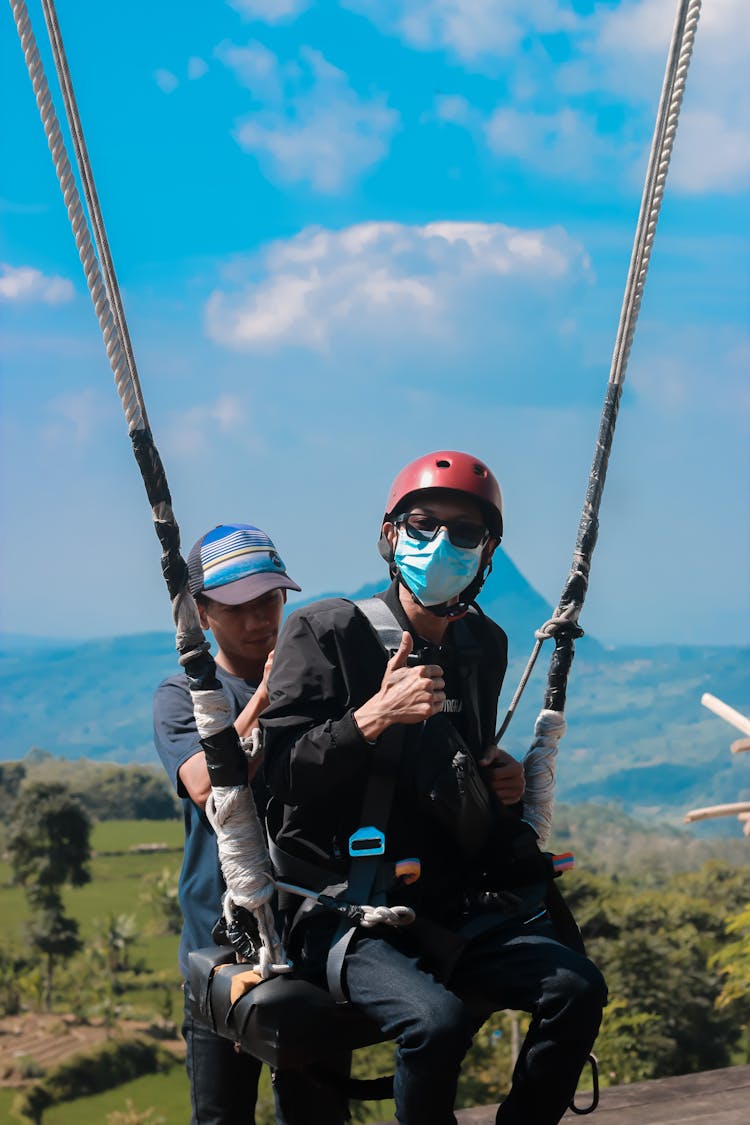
450, 611
454, 610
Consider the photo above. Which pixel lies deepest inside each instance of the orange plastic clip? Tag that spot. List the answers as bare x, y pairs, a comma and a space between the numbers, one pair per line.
409, 870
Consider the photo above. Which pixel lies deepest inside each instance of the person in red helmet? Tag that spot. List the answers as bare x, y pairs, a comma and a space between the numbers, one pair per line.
442, 568
388, 791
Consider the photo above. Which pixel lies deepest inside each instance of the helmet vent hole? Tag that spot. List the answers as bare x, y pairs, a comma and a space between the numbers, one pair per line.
443, 464
480, 470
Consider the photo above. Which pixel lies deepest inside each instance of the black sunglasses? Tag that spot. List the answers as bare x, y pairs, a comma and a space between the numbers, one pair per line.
462, 533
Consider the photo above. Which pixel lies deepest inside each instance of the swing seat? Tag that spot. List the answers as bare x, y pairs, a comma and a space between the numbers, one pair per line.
285, 1022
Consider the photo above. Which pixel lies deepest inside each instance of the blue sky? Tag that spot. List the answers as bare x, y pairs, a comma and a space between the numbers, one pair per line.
351, 232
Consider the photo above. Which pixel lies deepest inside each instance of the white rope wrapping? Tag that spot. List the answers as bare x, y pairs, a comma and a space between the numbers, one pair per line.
246, 867
539, 766
241, 841
387, 916
212, 711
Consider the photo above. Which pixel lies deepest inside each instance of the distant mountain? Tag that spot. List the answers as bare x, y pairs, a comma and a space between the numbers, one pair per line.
637, 733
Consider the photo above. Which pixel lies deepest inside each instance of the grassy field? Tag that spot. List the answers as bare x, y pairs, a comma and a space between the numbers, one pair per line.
120, 871
119, 884
126, 855
165, 1094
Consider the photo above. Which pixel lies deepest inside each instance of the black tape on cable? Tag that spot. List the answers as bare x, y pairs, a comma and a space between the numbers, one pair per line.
152, 470
174, 567
576, 586
200, 669
588, 528
559, 669
227, 764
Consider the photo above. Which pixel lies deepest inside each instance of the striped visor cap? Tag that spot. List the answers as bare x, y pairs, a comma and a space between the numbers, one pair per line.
235, 563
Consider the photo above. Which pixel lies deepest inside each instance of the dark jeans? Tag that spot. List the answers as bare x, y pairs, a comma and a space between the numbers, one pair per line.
224, 1085
523, 968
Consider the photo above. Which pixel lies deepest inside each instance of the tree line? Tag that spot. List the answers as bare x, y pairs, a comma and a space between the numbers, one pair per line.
107, 791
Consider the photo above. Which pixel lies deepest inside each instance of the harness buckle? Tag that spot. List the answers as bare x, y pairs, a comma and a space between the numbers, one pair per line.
367, 841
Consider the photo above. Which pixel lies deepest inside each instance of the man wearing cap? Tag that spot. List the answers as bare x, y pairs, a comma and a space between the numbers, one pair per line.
239, 583
388, 790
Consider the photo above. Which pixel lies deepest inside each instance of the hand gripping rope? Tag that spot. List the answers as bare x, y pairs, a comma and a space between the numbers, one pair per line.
231, 808
539, 762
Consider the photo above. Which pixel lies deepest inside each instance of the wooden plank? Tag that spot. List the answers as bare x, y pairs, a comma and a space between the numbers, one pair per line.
737, 808
725, 712
721, 1097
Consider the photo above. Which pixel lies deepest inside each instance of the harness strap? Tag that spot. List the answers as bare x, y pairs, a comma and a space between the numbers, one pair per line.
382, 621
365, 869
376, 807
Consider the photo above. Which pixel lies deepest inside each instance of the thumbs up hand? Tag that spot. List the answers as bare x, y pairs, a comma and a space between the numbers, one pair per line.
402, 653
406, 695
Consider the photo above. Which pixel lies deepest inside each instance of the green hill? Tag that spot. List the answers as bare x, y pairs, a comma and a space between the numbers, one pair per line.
637, 732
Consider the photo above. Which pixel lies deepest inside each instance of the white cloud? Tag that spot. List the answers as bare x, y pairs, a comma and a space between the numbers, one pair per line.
256, 68
673, 376
626, 47
623, 52
440, 301
76, 416
453, 109
712, 154
196, 67
24, 283
564, 143
312, 126
270, 11
617, 51
472, 30
191, 431
166, 80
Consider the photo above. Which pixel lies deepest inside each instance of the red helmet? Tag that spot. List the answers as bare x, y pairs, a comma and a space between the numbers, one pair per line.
459, 472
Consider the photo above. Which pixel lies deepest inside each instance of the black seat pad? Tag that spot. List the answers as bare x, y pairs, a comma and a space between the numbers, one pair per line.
286, 1022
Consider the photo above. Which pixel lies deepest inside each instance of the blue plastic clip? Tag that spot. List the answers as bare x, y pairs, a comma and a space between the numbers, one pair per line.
367, 841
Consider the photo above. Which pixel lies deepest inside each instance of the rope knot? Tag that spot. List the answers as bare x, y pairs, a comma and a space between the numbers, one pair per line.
557, 625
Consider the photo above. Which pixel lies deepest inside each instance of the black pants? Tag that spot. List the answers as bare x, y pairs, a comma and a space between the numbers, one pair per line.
521, 967
224, 1085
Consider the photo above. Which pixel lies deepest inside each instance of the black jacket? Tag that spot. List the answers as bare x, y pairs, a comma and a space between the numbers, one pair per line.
328, 662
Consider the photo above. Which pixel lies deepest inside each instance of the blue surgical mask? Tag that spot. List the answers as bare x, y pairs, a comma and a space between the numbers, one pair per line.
435, 571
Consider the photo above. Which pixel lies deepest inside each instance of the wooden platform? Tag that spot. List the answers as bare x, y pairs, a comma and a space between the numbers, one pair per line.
713, 1097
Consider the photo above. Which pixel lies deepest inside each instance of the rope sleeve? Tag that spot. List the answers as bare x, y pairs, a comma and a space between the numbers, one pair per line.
540, 764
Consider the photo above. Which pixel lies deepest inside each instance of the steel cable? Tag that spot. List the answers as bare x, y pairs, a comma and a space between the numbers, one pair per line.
102, 283
126, 379
563, 625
